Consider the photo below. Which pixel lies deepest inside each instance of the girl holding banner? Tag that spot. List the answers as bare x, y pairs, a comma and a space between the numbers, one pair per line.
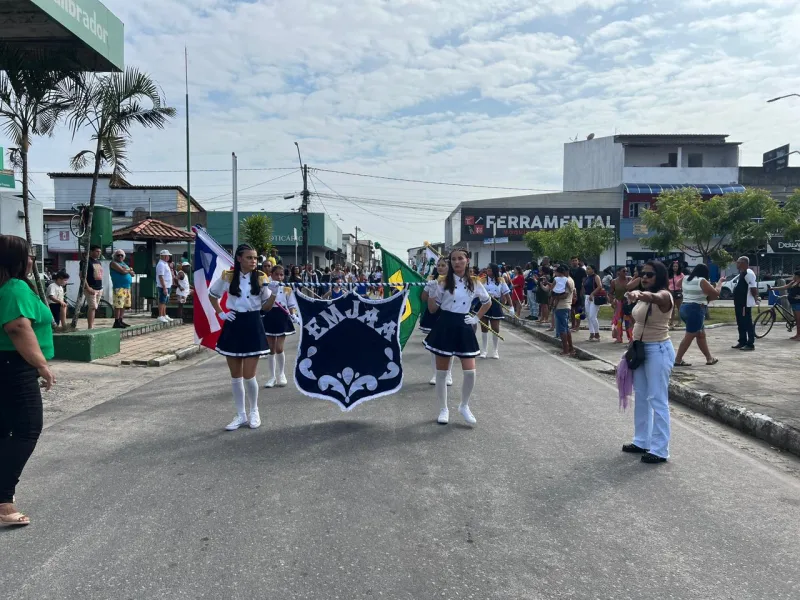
428, 319
278, 323
452, 333
243, 339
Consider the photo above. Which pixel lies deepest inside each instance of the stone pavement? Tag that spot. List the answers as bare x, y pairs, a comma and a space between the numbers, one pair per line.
754, 391
147, 349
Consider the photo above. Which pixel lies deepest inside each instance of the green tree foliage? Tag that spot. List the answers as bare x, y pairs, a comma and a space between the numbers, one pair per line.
706, 227
256, 230
568, 241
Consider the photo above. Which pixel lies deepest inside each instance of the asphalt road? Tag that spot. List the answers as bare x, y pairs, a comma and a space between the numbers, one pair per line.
146, 497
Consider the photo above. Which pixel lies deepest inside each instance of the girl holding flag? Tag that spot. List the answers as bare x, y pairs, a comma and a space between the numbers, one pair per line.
278, 323
243, 339
428, 318
452, 334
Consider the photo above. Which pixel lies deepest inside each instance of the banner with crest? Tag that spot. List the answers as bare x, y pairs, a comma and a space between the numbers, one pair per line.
349, 350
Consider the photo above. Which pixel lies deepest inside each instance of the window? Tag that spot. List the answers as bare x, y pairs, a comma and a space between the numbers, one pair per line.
672, 161
635, 209
695, 160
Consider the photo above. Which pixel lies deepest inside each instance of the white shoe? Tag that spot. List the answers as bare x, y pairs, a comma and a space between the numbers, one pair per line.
444, 417
270, 383
168, 318
237, 422
449, 379
467, 414
255, 420
483, 354
282, 381
433, 380
495, 355
162, 320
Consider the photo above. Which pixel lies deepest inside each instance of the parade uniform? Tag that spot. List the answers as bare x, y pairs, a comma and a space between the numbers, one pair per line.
244, 336
496, 290
278, 322
450, 335
428, 318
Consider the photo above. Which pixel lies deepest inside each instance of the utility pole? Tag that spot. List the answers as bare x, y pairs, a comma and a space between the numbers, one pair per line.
188, 170
355, 250
304, 205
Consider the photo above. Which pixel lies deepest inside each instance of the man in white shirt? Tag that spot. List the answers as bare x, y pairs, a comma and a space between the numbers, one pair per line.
745, 297
164, 284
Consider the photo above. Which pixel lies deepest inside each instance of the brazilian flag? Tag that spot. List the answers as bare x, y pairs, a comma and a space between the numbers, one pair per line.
396, 272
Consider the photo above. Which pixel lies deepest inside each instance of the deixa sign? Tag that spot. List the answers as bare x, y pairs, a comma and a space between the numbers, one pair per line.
779, 244
515, 223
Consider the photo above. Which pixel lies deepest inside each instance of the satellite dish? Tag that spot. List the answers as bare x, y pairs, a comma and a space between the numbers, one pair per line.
590, 136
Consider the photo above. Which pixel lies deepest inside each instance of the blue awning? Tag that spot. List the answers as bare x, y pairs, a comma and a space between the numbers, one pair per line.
657, 188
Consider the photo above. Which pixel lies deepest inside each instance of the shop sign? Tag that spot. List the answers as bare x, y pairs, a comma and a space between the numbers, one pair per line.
513, 223
782, 245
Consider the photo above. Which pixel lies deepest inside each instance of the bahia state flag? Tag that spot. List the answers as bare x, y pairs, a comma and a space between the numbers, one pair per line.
210, 260
395, 271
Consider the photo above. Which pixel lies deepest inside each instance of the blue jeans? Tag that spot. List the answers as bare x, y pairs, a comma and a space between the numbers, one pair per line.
562, 321
533, 306
651, 394
162, 297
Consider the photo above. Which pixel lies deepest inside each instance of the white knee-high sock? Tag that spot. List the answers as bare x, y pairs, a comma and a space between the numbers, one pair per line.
485, 340
280, 363
495, 342
466, 387
450, 367
237, 385
271, 366
441, 389
433, 363
251, 391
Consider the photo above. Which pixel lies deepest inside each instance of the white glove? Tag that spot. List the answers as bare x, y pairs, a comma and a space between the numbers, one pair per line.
227, 316
273, 286
432, 289
471, 320
295, 318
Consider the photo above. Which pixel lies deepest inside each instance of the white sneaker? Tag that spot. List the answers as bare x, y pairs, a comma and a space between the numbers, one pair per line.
495, 355
237, 422
162, 320
282, 381
467, 414
433, 380
444, 417
483, 354
270, 383
255, 420
449, 379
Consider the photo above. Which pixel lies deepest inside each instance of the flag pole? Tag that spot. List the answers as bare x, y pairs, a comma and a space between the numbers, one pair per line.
188, 170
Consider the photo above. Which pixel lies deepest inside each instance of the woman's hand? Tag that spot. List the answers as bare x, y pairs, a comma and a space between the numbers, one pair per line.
47, 375
633, 295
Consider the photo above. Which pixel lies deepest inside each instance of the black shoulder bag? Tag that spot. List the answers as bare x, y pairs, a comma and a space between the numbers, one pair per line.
634, 355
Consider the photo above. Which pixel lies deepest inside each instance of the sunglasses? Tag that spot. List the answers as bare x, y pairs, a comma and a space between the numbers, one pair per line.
648, 274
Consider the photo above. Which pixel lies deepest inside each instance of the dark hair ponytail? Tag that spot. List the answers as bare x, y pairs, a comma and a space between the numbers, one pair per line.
255, 285
450, 278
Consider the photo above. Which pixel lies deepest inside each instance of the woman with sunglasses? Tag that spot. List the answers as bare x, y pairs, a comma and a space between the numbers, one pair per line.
651, 380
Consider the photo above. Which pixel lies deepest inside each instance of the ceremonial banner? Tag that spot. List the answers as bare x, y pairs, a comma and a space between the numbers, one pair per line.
210, 260
349, 350
397, 273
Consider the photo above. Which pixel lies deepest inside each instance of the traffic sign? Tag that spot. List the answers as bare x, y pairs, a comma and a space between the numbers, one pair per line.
776, 160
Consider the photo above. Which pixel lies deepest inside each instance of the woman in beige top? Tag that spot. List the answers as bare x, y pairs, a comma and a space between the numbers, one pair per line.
651, 380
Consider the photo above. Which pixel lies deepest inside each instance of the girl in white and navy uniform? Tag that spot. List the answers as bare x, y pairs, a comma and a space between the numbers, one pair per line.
452, 334
278, 323
501, 294
428, 319
242, 340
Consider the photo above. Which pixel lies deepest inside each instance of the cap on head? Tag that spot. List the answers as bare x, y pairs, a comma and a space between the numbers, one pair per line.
165, 252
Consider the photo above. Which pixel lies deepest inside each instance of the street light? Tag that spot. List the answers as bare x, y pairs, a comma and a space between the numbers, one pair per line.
782, 97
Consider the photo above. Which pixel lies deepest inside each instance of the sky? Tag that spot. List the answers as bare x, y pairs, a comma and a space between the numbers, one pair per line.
477, 92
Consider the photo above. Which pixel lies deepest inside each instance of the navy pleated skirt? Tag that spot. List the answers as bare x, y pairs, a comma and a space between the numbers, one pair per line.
277, 322
450, 336
495, 312
244, 336
427, 320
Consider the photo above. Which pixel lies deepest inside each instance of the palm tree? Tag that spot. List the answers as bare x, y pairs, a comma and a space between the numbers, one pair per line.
110, 105
31, 104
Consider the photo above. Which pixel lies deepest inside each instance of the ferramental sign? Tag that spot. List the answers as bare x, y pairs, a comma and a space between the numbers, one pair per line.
479, 224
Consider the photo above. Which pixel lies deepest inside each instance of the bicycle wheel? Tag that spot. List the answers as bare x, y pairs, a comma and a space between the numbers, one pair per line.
77, 226
763, 323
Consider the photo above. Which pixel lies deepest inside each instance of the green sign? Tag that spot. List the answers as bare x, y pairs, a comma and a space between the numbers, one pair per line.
6, 177
92, 23
323, 232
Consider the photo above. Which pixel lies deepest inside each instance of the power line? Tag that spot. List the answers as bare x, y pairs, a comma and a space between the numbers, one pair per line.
184, 170
252, 186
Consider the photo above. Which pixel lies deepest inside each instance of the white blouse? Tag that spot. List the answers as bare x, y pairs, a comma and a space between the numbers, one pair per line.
285, 300
245, 302
495, 289
460, 299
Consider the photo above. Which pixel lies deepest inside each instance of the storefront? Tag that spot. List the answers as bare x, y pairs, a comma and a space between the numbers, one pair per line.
782, 257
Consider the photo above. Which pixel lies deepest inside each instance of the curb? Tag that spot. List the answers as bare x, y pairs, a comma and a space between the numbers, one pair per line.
759, 425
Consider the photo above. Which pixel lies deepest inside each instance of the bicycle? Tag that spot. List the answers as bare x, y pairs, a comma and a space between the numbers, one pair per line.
79, 221
765, 320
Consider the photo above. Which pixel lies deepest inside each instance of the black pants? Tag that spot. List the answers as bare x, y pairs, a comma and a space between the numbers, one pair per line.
20, 419
744, 321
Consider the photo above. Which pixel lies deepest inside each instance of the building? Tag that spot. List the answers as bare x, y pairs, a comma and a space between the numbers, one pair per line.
12, 221
416, 255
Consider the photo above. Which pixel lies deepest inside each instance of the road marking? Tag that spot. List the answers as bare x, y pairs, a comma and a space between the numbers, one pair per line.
755, 461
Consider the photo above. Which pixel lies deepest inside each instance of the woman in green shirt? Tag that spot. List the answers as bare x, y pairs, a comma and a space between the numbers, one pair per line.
26, 343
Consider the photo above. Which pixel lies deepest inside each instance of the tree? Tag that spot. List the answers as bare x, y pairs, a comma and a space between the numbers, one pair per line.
701, 227
568, 241
110, 105
256, 230
30, 105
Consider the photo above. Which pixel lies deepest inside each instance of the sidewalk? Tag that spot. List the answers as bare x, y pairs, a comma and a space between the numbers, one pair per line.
752, 391
153, 349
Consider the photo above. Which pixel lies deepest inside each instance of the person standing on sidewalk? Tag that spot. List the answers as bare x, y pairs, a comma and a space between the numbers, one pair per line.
531, 284
745, 297
164, 283
697, 293
578, 273
563, 304
651, 312
26, 344
676, 289
593, 288
121, 278
55, 298
182, 288
793, 295
93, 290
622, 308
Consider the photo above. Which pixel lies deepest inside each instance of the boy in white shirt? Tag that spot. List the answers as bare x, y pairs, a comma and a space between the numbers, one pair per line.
55, 298
560, 285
